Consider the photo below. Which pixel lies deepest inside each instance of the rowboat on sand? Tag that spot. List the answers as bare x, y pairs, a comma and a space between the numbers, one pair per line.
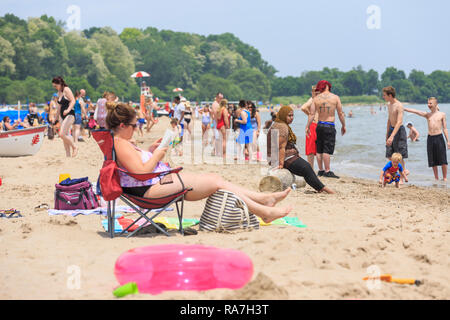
21, 142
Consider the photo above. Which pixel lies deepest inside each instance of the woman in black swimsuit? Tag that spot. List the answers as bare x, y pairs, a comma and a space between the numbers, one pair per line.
187, 115
65, 102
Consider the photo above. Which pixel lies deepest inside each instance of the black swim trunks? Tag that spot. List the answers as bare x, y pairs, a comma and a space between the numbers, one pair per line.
437, 151
399, 144
326, 137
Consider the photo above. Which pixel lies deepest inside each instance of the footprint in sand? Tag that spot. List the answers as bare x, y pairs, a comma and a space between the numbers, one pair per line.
63, 222
422, 258
26, 228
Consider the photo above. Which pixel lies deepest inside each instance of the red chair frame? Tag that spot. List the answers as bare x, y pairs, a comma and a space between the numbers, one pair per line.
142, 206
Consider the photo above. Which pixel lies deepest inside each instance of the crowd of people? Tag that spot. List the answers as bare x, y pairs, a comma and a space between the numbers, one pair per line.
72, 116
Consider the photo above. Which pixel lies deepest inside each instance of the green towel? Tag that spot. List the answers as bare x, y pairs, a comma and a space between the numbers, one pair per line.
286, 221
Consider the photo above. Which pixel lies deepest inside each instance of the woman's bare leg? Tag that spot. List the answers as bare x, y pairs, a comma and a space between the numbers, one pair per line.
224, 141
204, 185
204, 135
76, 128
64, 134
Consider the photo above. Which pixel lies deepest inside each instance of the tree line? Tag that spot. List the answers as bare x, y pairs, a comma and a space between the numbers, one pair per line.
33, 51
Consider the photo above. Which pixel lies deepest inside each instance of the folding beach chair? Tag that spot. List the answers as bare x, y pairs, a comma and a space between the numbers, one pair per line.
142, 206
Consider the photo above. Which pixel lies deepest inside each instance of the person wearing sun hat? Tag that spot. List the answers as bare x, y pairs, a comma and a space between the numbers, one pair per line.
288, 155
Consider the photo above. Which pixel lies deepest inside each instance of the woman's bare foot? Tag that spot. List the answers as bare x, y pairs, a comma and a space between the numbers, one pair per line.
276, 213
74, 152
274, 198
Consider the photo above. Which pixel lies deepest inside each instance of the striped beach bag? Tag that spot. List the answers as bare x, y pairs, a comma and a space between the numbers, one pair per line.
225, 212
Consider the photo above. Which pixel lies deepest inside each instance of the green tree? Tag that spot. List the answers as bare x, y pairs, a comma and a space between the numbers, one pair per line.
371, 82
116, 55
253, 83
441, 80
210, 84
353, 83
4, 84
7, 52
16, 91
391, 74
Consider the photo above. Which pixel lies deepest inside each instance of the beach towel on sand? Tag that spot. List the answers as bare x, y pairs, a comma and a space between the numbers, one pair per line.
121, 223
286, 221
99, 210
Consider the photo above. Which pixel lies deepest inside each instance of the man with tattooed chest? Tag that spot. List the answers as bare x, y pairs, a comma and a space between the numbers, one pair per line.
327, 105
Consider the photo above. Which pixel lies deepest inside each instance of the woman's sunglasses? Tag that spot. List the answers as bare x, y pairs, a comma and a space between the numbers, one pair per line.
134, 125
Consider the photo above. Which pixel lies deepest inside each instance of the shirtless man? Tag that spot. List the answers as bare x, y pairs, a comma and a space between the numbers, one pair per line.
413, 133
310, 144
327, 104
215, 115
396, 138
437, 124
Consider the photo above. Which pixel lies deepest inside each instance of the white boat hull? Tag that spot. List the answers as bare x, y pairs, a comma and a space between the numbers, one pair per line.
21, 142
162, 113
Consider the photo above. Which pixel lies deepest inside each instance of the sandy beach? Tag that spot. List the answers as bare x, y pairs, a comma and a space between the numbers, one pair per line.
404, 232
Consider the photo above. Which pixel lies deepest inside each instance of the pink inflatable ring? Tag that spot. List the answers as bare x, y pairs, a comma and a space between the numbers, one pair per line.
183, 267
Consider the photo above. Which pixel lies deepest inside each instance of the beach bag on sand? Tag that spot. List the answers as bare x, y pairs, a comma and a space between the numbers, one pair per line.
225, 212
78, 195
110, 181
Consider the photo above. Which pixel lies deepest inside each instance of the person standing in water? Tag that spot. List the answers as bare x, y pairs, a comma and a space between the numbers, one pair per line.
436, 147
413, 133
396, 138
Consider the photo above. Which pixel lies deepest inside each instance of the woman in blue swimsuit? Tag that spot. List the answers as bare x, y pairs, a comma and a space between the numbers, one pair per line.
206, 123
245, 130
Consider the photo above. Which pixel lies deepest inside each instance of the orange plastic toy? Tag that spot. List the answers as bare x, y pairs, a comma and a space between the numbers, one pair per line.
388, 278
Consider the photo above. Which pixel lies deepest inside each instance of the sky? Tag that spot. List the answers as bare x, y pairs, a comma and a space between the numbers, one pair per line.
292, 35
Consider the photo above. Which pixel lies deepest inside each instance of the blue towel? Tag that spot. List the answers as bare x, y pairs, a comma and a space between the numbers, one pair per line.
69, 182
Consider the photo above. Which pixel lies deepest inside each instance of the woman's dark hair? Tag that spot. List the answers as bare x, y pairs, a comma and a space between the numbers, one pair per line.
59, 80
273, 115
253, 108
119, 113
242, 103
5, 118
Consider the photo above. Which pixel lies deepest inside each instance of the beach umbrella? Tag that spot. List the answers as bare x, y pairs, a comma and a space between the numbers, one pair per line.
177, 90
140, 74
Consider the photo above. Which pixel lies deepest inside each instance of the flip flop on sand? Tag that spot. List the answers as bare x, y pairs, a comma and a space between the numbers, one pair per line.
11, 213
42, 207
190, 232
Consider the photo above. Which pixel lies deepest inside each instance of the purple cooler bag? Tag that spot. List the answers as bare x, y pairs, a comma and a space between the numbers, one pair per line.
75, 196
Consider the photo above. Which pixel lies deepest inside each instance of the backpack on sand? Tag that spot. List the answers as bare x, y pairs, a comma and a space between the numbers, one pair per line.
224, 212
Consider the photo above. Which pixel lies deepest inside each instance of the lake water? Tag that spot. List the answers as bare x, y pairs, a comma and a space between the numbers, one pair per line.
360, 152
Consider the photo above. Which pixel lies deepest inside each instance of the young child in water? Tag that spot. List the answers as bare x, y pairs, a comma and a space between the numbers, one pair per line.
392, 171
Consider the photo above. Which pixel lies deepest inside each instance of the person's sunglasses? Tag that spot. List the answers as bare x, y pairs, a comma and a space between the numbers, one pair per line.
134, 125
